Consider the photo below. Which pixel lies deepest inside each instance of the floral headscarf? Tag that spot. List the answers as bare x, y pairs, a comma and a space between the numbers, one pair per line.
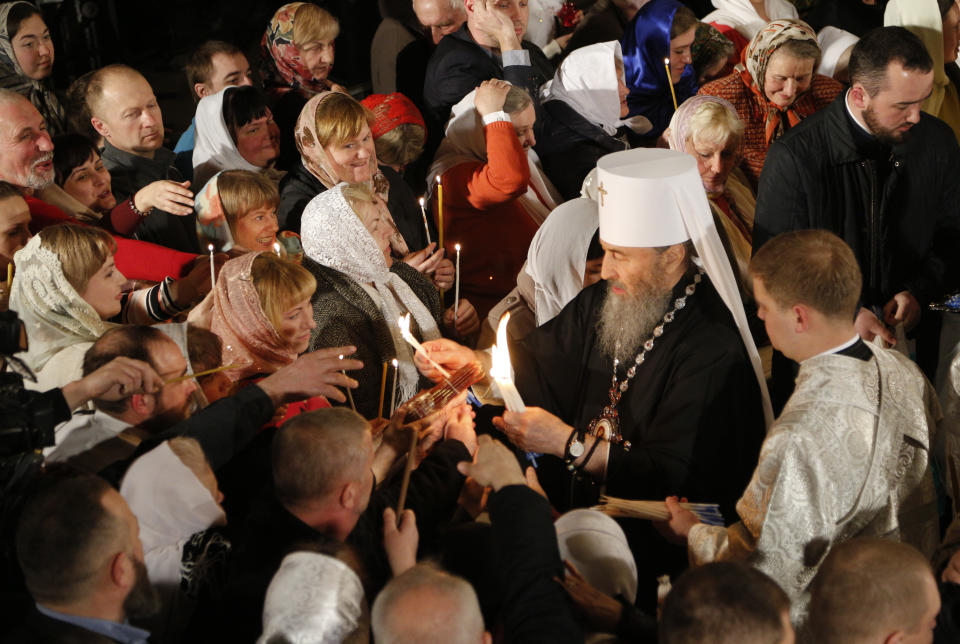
13, 78
315, 158
753, 69
283, 69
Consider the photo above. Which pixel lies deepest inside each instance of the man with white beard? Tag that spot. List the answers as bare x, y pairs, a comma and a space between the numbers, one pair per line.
647, 381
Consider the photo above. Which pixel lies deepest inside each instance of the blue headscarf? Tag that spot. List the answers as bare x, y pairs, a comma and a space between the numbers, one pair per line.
645, 43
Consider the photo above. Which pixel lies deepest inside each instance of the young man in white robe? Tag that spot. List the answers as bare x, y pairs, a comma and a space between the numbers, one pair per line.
850, 454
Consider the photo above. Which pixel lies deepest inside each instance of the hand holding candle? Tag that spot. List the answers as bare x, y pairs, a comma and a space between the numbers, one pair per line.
349, 391
404, 324
426, 226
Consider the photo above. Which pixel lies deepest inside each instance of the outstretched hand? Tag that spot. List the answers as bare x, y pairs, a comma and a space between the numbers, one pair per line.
447, 353
400, 541
318, 373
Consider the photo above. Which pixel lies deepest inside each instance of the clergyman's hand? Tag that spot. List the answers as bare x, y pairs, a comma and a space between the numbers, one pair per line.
535, 430
677, 528
902, 308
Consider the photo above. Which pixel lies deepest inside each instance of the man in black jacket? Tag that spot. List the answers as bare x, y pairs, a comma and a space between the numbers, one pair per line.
489, 45
879, 173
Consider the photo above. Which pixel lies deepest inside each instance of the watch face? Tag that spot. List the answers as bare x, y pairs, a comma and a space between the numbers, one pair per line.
576, 449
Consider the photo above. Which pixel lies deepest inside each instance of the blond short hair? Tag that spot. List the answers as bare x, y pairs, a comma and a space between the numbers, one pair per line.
340, 118
82, 250
281, 285
242, 191
311, 24
401, 145
713, 123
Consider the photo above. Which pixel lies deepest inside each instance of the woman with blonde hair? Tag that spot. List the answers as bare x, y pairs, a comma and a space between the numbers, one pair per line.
297, 56
67, 291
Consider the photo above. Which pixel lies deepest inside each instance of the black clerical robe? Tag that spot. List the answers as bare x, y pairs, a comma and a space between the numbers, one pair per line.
692, 414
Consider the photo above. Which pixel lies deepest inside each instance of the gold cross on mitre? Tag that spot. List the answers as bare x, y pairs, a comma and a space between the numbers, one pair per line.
601, 192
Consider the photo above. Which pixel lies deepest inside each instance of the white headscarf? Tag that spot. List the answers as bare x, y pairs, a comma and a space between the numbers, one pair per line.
922, 18
558, 256
741, 15
587, 82
312, 599
214, 149
596, 545
333, 235
52, 312
833, 42
466, 142
171, 505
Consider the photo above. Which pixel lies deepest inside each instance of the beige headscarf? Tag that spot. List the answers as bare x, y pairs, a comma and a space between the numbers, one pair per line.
315, 158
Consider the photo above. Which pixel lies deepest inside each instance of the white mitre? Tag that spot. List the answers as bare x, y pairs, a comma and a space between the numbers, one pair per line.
651, 197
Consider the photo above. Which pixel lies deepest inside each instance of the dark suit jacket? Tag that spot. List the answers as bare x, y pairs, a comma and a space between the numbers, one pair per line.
459, 64
40, 629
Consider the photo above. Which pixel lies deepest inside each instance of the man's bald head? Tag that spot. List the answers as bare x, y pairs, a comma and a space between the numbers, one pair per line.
425, 605
26, 150
124, 110
440, 17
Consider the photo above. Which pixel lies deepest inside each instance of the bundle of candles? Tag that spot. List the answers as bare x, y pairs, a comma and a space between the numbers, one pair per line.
709, 513
427, 402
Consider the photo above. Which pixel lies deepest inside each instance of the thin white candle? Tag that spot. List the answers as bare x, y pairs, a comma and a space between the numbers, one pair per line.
213, 273
349, 393
501, 369
426, 226
456, 289
393, 396
404, 324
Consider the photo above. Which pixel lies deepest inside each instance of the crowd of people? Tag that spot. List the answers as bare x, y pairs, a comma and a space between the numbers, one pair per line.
598, 320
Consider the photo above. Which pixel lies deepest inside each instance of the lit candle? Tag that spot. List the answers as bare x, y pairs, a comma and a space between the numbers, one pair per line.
213, 273
349, 393
673, 93
456, 289
426, 226
393, 396
501, 369
439, 213
383, 390
276, 249
404, 324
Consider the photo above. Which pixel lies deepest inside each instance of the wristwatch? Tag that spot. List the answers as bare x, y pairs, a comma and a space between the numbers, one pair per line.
573, 450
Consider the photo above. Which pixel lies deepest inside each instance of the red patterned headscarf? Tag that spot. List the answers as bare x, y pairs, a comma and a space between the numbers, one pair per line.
283, 68
391, 110
753, 69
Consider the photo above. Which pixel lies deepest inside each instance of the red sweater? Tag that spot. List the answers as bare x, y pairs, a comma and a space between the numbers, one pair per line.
482, 214
136, 259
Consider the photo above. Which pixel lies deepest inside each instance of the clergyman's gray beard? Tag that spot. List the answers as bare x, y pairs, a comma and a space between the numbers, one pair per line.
629, 320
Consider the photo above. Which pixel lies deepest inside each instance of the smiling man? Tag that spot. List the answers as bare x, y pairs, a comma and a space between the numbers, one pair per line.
124, 110
643, 382
881, 174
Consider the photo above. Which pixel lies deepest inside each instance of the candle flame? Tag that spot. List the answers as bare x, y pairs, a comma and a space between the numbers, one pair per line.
438, 178
422, 202
404, 324
501, 352
666, 61
395, 363
340, 357
457, 247
210, 247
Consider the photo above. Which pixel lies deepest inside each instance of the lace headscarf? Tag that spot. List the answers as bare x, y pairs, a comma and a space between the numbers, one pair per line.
558, 256
171, 505
53, 313
587, 82
283, 68
215, 149
334, 236
232, 310
753, 69
315, 158
13, 78
465, 141
312, 598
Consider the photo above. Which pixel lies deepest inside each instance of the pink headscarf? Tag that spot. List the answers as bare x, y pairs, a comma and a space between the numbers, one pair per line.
232, 310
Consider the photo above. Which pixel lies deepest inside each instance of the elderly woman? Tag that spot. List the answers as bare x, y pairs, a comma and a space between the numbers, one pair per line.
661, 30
26, 60
348, 236
584, 104
298, 50
708, 129
774, 87
235, 131
937, 24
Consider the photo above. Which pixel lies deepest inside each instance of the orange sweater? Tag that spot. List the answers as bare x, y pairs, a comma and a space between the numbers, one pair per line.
482, 214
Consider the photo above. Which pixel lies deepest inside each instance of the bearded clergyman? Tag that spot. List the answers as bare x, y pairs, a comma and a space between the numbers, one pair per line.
648, 382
